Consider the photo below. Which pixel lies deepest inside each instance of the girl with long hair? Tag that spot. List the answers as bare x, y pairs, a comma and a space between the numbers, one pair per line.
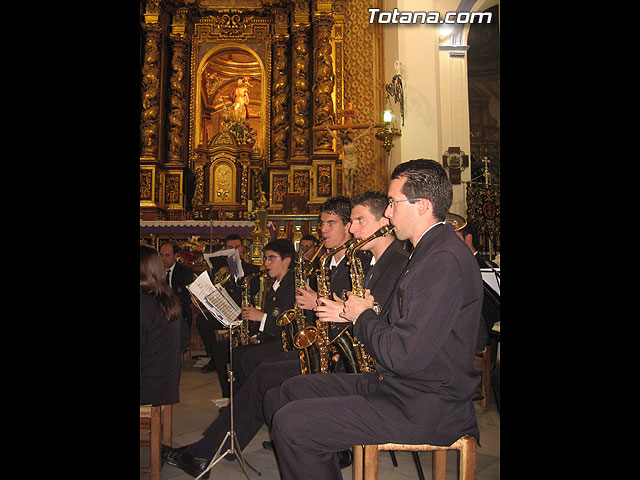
160, 364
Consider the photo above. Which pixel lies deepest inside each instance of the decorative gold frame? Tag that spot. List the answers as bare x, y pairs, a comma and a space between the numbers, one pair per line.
276, 176
151, 201
293, 188
173, 205
222, 159
318, 177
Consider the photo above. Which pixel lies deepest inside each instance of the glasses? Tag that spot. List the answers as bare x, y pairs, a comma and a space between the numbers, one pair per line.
393, 202
271, 258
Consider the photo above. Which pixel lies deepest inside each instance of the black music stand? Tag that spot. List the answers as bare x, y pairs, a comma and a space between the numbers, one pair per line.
235, 447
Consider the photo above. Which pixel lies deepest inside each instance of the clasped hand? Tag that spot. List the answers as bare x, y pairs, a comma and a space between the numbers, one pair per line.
252, 314
341, 311
306, 297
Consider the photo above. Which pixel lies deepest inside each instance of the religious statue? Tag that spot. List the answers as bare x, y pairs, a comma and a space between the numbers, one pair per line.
240, 97
350, 156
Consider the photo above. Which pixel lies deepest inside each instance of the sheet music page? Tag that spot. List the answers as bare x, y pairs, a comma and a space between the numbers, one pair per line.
220, 300
215, 298
491, 276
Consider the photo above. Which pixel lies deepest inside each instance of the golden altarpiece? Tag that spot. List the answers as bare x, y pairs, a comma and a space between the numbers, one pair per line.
231, 91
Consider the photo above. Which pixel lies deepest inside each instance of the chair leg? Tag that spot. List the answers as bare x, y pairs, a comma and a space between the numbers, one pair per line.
416, 459
167, 415
156, 425
439, 465
393, 458
370, 462
356, 469
468, 460
486, 377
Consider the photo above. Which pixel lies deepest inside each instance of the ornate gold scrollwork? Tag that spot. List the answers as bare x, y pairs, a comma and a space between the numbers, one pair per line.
149, 128
178, 112
279, 101
324, 80
301, 128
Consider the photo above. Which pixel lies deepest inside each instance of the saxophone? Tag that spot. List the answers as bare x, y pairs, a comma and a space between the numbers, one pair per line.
315, 339
365, 363
293, 320
240, 335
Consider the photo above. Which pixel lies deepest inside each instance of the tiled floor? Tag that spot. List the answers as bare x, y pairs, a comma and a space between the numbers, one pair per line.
196, 411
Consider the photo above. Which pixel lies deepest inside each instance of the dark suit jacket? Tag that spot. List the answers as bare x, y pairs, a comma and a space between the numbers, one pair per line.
160, 362
382, 277
276, 303
425, 356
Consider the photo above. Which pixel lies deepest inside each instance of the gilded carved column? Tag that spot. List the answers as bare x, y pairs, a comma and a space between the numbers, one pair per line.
178, 103
301, 125
280, 102
324, 80
150, 121
178, 87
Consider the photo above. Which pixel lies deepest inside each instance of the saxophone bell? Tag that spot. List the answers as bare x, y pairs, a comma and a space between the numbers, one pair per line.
305, 337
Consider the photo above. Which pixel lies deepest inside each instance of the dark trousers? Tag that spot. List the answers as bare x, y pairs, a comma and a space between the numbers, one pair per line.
206, 328
185, 333
247, 405
313, 416
242, 367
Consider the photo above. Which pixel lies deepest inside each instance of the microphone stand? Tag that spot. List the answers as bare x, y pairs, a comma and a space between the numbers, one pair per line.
210, 208
235, 447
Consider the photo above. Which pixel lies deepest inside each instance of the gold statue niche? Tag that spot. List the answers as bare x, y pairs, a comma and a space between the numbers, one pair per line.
231, 97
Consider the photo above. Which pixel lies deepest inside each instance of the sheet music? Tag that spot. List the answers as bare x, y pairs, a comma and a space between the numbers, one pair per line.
491, 276
215, 298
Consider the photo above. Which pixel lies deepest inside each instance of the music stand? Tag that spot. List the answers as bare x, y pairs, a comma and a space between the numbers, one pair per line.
235, 447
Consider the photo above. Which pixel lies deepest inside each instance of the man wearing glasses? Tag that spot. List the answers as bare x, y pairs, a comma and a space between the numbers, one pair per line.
424, 384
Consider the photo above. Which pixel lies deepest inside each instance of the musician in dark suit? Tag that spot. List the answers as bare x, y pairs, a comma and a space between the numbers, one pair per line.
423, 388
334, 223
206, 323
178, 277
279, 257
389, 264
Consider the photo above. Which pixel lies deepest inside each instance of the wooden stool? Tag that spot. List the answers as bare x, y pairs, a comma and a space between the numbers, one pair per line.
155, 421
365, 458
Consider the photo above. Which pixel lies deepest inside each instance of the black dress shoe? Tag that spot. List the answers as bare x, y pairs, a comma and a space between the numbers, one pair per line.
180, 458
345, 458
268, 445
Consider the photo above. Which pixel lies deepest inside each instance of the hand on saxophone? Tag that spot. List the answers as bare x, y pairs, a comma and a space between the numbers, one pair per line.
355, 305
252, 314
306, 297
329, 310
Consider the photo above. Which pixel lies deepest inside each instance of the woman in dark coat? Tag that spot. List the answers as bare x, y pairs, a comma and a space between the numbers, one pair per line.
160, 313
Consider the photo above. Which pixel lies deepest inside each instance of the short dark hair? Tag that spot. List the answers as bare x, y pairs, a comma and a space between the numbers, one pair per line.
174, 247
428, 179
376, 202
340, 206
232, 236
311, 238
284, 248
